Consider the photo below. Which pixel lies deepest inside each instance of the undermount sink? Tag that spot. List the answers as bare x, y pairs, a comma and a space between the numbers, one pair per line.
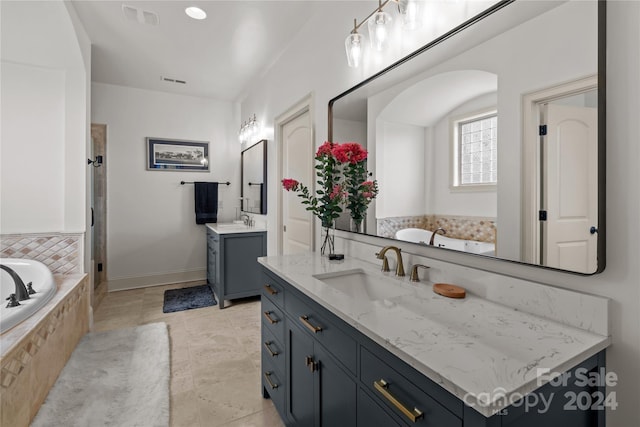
359, 284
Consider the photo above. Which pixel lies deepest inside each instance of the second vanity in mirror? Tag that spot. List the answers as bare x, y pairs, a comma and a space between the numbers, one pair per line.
492, 136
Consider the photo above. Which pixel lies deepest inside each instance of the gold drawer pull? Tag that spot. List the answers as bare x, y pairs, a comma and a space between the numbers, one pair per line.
269, 289
383, 387
267, 345
269, 318
267, 376
312, 328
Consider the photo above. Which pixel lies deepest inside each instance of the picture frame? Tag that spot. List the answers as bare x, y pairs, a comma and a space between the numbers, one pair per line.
177, 155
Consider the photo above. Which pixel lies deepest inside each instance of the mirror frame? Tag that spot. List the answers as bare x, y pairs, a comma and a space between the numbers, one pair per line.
263, 185
602, 131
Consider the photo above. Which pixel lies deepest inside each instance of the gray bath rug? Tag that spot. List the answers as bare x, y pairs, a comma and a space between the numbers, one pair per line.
114, 378
188, 298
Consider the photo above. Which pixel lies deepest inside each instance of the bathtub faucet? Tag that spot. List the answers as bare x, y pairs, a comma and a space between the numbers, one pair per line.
21, 290
433, 235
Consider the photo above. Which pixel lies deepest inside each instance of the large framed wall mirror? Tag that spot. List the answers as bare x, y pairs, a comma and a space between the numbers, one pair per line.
490, 140
254, 179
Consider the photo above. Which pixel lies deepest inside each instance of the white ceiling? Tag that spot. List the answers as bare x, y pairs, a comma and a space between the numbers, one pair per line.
217, 57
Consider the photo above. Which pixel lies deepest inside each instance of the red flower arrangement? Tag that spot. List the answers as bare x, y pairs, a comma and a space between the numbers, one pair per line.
350, 152
356, 191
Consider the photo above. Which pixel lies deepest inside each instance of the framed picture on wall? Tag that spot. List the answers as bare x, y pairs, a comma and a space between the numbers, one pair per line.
172, 154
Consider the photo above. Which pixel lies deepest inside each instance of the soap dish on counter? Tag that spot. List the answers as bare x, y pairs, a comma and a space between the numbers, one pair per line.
448, 290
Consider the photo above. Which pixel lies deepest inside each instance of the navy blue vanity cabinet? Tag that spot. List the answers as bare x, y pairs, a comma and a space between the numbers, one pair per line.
397, 391
334, 375
213, 241
371, 413
321, 365
272, 339
320, 390
321, 393
232, 269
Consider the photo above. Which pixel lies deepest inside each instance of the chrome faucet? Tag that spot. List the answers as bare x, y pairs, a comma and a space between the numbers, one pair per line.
381, 255
246, 219
433, 235
21, 293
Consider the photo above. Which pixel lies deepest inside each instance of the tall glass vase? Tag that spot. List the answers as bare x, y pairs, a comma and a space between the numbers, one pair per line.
328, 240
356, 226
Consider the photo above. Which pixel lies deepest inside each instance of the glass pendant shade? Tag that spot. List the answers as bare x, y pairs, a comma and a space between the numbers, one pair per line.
379, 27
353, 47
409, 9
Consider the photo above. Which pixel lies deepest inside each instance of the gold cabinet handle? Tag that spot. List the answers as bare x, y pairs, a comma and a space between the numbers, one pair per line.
267, 345
269, 318
267, 376
269, 289
311, 364
383, 387
312, 328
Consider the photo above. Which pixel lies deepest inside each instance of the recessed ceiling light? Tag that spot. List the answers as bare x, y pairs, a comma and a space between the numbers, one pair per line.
195, 12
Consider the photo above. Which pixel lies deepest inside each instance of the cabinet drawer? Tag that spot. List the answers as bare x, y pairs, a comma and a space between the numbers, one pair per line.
272, 350
274, 386
273, 319
315, 321
370, 413
273, 290
401, 395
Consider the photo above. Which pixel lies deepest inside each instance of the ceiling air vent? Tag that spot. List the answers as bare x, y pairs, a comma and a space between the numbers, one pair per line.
145, 17
170, 80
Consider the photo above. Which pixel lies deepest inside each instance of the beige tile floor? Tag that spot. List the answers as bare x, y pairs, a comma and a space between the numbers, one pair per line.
215, 356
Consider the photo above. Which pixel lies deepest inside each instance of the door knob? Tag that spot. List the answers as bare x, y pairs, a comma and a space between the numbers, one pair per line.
593, 230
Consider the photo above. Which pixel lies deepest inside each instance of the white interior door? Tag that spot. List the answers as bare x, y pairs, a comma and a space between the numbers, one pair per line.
297, 158
570, 188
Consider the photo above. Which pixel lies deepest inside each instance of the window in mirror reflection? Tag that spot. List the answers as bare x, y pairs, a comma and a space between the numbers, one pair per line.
476, 150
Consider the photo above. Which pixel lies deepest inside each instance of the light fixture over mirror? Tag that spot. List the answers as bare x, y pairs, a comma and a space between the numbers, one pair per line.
379, 28
463, 136
249, 130
353, 46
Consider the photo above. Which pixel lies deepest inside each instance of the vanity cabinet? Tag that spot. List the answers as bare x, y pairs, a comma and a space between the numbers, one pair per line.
335, 375
319, 389
232, 269
321, 392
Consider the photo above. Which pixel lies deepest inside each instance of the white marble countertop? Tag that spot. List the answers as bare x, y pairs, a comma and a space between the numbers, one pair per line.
233, 228
483, 352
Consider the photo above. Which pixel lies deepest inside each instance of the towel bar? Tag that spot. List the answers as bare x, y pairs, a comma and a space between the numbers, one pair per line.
185, 182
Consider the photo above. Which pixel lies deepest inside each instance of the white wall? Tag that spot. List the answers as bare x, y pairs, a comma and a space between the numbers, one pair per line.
44, 117
400, 171
32, 161
350, 131
297, 73
152, 236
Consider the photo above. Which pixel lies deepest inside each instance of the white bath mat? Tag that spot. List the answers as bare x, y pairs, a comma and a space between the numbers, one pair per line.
113, 378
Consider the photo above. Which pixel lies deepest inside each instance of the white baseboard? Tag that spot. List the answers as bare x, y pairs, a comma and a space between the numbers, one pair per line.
155, 280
